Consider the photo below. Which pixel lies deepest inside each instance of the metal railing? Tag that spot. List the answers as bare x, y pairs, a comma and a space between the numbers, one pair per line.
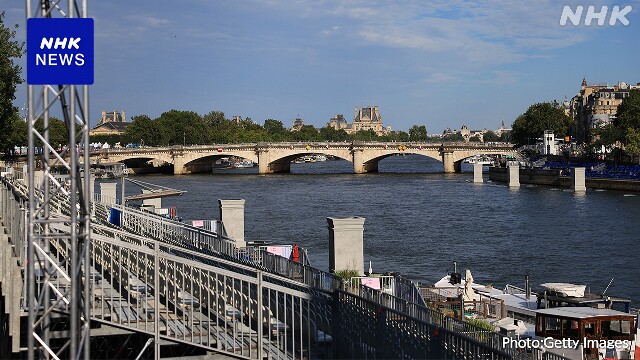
190, 289
410, 304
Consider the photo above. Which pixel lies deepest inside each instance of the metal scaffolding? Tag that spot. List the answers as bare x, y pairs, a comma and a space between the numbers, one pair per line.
46, 299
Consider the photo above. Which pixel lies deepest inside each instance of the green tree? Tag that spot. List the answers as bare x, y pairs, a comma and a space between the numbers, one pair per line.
9, 79
16, 134
182, 127
538, 118
145, 131
306, 133
456, 137
506, 137
628, 115
365, 135
633, 142
418, 133
58, 134
330, 134
474, 138
276, 131
490, 136
220, 130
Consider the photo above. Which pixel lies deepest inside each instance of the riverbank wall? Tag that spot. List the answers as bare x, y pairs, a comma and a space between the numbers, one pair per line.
552, 177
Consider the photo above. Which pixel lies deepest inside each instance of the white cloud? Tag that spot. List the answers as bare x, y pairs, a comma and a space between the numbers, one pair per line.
454, 36
149, 21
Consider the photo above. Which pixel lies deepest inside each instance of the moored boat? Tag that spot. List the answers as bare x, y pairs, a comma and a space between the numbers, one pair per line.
243, 164
596, 326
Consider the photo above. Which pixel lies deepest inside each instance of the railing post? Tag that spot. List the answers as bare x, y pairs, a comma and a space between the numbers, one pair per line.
259, 313
336, 327
156, 296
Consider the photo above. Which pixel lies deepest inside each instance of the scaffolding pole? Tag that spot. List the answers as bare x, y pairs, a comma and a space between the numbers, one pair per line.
48, 297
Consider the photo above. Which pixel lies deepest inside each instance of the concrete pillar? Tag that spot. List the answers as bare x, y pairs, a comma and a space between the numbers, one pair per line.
92, 186
38, 176
179, 167
25, 175
477, 173
578, 183
108, 192
263, 162
232, 216
514, 176
346, 244
447, 160
358, 163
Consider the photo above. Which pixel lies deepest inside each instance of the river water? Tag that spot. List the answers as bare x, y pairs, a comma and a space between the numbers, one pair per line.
419, 220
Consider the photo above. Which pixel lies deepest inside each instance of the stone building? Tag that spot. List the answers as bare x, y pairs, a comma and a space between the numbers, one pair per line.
111, 123
468, 134
365, 118
298, 123
596, 105
338, 122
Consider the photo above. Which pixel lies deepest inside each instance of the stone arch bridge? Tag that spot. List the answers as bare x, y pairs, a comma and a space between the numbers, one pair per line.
277, 157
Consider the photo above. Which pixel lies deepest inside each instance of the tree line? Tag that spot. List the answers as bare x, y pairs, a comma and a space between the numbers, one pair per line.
177, 127
621, 136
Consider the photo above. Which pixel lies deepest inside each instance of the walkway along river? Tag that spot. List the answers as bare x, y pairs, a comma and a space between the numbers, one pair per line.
418, 221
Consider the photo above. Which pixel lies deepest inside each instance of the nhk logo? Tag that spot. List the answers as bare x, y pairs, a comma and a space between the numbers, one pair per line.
53, 59
60, 51
617, 14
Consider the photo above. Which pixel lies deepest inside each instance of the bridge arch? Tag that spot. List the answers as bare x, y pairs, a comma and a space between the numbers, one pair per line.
205, 162
278, 158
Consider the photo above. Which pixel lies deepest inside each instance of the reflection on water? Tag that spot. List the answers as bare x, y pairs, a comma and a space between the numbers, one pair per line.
418, 221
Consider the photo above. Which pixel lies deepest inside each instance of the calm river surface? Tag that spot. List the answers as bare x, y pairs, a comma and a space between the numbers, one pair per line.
418, 221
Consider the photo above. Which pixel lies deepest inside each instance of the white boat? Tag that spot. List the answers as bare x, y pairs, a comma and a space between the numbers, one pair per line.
479, 159
564, 289
244, 164
321, 157
222, 163
561, 311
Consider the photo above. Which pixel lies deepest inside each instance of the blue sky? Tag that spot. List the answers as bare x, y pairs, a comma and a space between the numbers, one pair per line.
439, 63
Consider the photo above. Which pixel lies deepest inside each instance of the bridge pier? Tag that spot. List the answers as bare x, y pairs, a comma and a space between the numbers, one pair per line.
514, 176
266, 166
179, 167
449, 164
361, 167
578, 180
477, 173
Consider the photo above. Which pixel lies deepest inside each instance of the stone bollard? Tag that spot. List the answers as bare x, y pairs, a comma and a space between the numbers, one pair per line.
514, 176
477, 173
578, 183
232, 217
108, 192
346, 244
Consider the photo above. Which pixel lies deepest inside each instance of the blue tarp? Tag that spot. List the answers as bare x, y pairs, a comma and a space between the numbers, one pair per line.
115, 216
